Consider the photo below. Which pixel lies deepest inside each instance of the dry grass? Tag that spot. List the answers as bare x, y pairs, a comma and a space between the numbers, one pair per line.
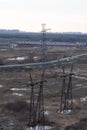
52, 88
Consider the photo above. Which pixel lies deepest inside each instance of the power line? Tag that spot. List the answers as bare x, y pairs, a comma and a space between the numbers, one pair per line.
67, 59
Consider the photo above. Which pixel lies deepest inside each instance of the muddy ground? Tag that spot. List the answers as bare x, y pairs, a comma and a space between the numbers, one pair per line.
15, 89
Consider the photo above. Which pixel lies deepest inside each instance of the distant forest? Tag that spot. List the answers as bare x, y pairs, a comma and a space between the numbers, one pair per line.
54, 37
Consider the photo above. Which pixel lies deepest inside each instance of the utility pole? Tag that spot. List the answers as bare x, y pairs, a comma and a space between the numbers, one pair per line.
69, 90
36, 116
40, 101
43, 43
63, 91
66, 104
44, 46
32, 122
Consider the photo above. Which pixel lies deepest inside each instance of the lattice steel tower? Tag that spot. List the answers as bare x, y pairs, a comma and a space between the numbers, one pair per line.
66, 92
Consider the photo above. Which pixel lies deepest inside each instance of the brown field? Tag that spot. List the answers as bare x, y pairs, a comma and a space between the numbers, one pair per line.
14, 89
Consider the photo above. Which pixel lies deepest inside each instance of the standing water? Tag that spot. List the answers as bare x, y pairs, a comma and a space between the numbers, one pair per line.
38, 127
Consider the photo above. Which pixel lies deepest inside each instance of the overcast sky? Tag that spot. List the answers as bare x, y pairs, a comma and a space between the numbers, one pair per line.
59, 15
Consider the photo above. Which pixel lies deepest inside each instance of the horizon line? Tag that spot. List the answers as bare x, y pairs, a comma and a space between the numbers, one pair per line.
24, 31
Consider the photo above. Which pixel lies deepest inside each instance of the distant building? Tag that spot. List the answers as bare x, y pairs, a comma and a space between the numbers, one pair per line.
9, 31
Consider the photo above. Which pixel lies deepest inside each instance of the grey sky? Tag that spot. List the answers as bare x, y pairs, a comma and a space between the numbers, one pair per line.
59, 15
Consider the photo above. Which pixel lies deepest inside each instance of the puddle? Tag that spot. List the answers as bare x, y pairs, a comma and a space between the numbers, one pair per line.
84, 99
79, 85
36, 58
39, 128
65, 111
3, 49
11, 59
21, 58
1, 86
18, 89
46, 112
17, 94
11, 122
17, 58
80, 77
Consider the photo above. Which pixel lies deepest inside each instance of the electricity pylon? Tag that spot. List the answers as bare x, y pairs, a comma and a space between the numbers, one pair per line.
63, 91
32, 105
40, 118
69, 90
36, 116
66, 92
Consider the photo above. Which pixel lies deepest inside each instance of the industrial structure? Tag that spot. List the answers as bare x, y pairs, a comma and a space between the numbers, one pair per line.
36, 111
36, 106
66, 92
